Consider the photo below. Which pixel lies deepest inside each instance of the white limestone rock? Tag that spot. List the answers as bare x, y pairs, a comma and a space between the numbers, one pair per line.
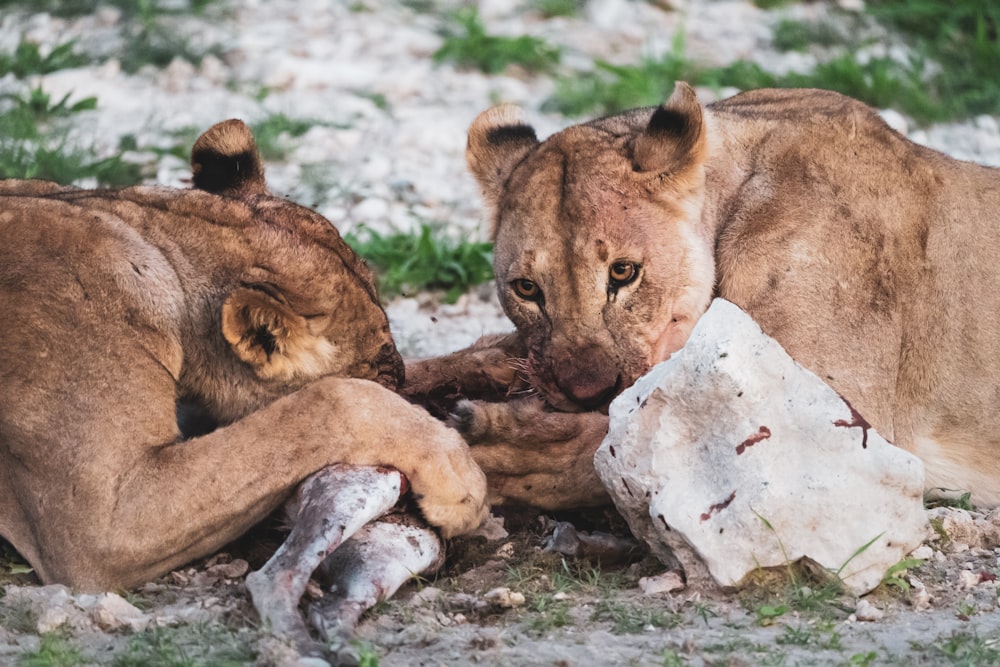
734, 457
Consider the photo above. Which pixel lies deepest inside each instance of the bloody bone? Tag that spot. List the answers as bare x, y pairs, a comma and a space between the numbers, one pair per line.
370, 567
331, 505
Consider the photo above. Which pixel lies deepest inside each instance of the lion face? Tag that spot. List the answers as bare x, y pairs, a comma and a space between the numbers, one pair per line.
298, 304
599, 256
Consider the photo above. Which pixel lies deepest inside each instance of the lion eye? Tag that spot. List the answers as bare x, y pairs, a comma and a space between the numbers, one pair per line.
622, 273
527, 289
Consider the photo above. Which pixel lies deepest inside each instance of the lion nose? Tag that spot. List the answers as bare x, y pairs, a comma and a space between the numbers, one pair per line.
390, 367
588, 380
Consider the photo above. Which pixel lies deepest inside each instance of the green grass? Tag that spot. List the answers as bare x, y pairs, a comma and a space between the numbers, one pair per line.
801, 35
35, 142
273, 134
547, 614
467, 44
966, 649
186, 646
149, 28
54, 651
129, 8
27, 59
630, 619
551, 8
951, 75
405, 263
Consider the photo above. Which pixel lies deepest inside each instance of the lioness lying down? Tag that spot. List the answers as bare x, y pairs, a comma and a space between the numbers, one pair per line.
119, 304
874, 261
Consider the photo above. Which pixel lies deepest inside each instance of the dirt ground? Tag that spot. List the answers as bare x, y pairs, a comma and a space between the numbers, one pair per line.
513, 602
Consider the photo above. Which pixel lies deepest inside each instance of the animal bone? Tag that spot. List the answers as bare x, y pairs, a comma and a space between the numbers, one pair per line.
331, 506
370, 567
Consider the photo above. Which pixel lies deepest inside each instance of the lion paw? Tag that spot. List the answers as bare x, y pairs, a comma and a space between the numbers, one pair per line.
451, 490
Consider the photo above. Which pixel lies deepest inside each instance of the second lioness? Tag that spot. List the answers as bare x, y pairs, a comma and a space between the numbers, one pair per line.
872, 260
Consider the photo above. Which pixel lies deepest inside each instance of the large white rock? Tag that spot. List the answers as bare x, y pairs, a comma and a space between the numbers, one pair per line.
734, 457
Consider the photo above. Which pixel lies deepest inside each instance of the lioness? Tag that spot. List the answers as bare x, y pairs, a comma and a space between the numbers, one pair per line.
874, 261
117, 305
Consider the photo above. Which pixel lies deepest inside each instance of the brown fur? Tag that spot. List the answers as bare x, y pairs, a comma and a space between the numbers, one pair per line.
119, 304
871, 259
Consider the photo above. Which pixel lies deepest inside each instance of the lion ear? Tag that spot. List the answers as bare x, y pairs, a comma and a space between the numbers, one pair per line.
499, 139
271, 337
674, 139
225, 161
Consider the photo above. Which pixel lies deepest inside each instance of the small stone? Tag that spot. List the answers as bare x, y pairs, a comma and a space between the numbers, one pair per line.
504, 598
923, 552
506, 551
920, 599
112, 612
232, 570
51, 619
426, 596
968, 579
492, 529
668, 582
866, 611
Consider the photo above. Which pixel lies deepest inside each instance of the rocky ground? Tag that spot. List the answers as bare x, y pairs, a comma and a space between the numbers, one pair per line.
385, 150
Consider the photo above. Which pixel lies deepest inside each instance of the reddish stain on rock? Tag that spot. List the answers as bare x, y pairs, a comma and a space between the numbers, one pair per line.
762, 434
856, 421
718, 507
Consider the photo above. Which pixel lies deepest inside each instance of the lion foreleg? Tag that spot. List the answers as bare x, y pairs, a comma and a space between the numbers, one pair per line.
533, 456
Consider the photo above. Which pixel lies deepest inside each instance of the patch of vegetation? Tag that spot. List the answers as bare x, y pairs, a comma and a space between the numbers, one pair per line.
149, 28
630, 619
612, 88
672, 658
862, 659
153, 39
467, 44
895, 576
772, 4
186, 646
800, 35
129, 8
963, 38
35, 142
406, 263
968, 649
552, 8
548, 613
27, 59
951, 75
945, 498
274, 132
54, 651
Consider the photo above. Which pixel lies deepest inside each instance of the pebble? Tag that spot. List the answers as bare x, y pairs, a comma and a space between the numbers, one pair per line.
504, 598
668, 582
866, 611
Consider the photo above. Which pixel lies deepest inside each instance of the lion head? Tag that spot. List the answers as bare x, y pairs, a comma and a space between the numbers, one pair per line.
599, 257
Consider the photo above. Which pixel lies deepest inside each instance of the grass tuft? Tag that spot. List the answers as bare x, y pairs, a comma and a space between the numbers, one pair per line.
467, 44
35, 142
406, 263
54, 651
27, 59
186, 646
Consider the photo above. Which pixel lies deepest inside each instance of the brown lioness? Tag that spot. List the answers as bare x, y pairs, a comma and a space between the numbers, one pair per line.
874, 261
118, 304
